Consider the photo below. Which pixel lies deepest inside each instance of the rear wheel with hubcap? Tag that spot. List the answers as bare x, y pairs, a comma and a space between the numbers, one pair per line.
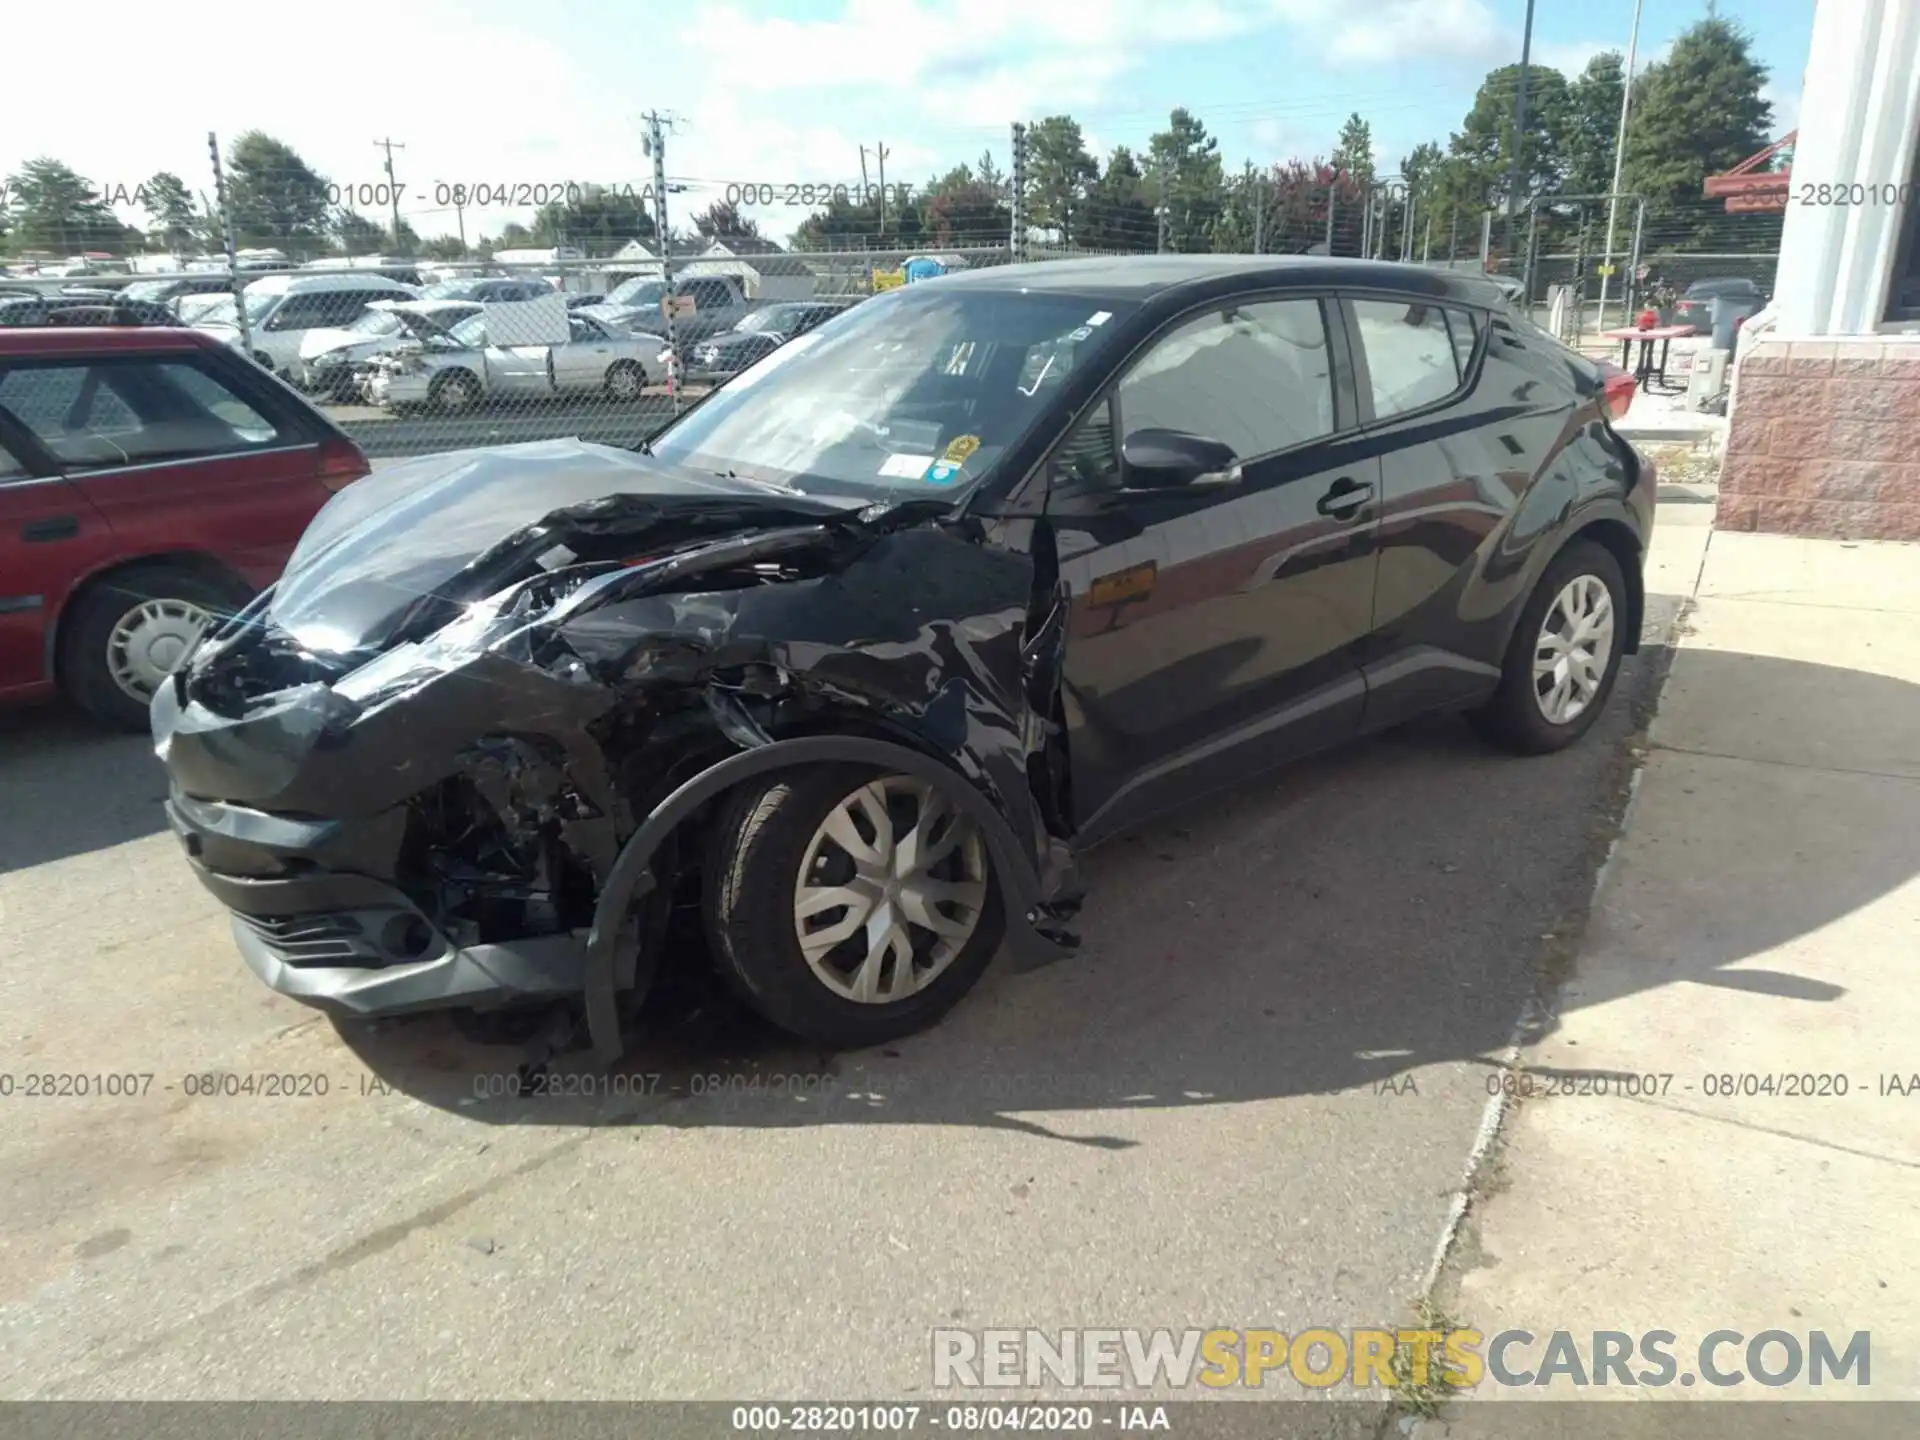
132, 630
1564, 657
850, 907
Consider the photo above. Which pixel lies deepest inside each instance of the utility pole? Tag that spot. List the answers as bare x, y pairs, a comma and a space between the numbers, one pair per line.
865, 189
1619, 157
880, 153
656, 147
1516, 164
393, 189
234, 283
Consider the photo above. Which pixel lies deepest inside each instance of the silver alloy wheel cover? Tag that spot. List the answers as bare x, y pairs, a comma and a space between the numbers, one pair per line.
150, 641
625, 383
1573, 650
893, 895
458, 394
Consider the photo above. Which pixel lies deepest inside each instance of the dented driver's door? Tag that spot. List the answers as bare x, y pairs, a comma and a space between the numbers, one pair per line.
1215, 626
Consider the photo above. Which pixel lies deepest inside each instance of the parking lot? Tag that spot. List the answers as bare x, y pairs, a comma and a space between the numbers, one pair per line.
1249, 1099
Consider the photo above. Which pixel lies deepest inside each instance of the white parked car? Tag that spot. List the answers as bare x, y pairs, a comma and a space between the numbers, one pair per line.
540, 349
283, 307
329, 358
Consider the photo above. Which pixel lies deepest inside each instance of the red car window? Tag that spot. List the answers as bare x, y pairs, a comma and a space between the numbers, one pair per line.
99, 414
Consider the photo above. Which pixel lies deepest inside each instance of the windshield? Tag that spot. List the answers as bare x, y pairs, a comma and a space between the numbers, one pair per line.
146, 289
259, 305
450, 290
637, 291
770, 318
208, 309
471, 332
375, 322
918, 391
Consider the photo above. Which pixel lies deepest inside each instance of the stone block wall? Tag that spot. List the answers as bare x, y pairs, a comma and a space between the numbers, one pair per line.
1823, 439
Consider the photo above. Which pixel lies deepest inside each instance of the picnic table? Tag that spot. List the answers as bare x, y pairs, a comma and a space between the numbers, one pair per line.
1649, 371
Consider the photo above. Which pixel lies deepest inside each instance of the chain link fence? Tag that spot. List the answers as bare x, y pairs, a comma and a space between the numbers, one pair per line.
433, 314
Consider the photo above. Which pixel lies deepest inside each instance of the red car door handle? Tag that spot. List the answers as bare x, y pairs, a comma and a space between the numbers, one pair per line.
56, 527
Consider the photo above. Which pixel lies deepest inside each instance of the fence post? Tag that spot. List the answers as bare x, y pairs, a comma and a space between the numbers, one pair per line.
1160, 212
1630, 291
1259, 218
657, 147
1333, 198
1486, 237
234, 282
1017, 200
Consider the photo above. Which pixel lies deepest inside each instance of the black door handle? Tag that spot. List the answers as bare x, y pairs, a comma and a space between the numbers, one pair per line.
1346, 496
56, 527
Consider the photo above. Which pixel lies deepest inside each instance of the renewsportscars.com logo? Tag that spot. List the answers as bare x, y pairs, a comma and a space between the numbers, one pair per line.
1366, 1359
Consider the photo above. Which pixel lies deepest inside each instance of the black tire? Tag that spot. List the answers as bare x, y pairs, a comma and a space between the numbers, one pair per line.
457, 392
759, 844
85, 672
1513, 719
625, 372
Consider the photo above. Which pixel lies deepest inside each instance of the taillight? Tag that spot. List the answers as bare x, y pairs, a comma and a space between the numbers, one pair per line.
1619, 393
341, 463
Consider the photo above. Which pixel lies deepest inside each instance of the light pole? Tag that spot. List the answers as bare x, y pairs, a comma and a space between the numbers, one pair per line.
1519, 127
1619, 158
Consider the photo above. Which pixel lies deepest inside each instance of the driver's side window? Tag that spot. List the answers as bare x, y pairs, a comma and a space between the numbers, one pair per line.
1256, 377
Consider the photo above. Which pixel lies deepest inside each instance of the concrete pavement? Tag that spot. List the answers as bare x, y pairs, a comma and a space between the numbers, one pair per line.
1752, 962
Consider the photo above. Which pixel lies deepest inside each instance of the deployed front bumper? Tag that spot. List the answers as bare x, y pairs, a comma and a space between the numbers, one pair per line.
344, 941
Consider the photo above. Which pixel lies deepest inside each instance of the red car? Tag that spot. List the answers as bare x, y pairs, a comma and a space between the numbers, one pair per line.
149, 480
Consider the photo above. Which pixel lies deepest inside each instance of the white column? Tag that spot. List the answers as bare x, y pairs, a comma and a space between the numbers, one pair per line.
1860, 122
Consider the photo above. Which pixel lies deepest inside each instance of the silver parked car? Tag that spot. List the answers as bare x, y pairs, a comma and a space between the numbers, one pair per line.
331, 360
455, 370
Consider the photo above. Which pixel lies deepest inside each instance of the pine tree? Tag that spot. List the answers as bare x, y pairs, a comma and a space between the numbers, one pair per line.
1697, 113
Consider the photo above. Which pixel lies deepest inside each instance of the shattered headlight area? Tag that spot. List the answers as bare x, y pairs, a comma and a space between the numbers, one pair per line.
485, 754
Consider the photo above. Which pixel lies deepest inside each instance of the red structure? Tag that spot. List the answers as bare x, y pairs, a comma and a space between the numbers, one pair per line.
1749, 188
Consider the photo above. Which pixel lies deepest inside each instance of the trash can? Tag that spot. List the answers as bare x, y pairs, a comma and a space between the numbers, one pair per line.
1721, 319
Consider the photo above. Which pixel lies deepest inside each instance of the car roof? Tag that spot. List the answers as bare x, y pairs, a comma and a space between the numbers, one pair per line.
294, 283
1140, 277
64, 340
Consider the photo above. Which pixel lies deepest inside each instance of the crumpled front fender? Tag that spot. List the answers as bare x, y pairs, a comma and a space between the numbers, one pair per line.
1021, 887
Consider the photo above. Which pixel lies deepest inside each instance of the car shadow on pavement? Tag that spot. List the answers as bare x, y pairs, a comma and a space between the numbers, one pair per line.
1339, 927
68, 786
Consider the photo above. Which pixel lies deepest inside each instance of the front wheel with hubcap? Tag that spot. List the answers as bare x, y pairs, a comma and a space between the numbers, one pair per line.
130, 631
850, 907
626, 381
1564, 657
454, 393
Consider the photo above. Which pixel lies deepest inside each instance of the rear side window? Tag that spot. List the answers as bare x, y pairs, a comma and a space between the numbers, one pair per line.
1417, 355
10, 466
103, 414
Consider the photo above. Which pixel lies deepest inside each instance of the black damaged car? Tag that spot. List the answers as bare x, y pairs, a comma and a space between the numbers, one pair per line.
864, 647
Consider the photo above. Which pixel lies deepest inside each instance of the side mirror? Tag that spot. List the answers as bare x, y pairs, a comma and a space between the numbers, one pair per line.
1167, 459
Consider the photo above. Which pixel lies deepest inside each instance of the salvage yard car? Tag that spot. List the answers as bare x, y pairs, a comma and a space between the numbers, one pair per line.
150, 479
862, 649
332, 361
482, 359
721, 357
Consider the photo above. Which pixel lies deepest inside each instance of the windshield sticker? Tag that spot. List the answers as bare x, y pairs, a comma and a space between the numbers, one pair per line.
1082, 333
962, 447
906, 467
1100, 317
945, 473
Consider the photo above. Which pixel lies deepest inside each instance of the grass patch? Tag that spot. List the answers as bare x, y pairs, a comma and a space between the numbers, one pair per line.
1423, 1394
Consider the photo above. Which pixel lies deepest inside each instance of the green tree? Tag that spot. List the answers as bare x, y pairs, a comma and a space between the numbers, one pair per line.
1485, 150
1184, 177
173, 216
1353, 151
1588, 126
443, 247
1118, 216
1697, 113
968, 206
722, 220
354, 234
53, 207
1059, 170
277, 199
598, 218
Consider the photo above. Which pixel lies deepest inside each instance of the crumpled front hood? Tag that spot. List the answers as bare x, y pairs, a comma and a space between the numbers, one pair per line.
408, 530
